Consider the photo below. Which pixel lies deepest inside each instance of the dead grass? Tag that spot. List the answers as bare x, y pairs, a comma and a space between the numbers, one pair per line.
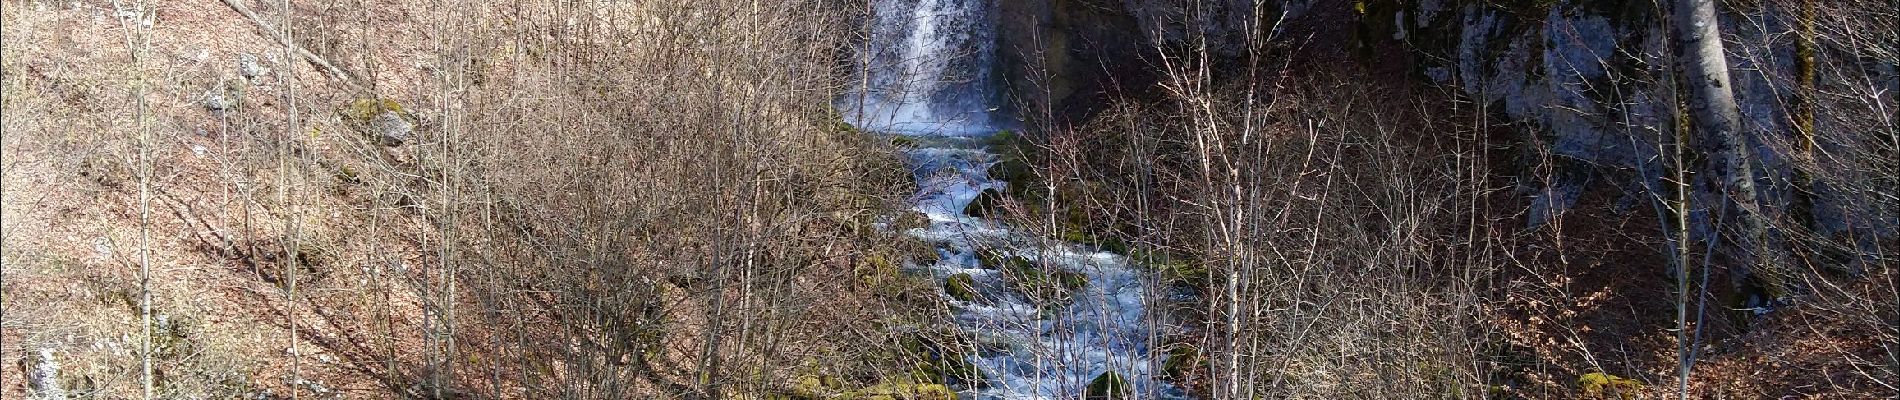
566, 132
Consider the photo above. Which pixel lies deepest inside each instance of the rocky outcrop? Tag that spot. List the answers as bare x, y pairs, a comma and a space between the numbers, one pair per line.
1061, 57
1589, 82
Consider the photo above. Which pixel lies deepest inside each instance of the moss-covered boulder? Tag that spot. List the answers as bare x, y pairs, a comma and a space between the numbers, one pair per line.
987, 204
1598, 385
383, 120
1108, 386
1174, 268
992, 259
1183, 359
943, 358
902, 391
815, 386
1050, 288
960, 287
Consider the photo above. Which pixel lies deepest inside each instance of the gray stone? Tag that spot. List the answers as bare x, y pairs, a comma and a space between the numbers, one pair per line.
249, 68
219, 100
392, 129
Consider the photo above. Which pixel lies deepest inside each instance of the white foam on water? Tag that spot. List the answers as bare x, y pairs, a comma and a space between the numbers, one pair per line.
927, 79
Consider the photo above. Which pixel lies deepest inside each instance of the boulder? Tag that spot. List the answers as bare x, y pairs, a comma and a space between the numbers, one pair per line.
220, 100
392, 129
249, 68
960, 287
1108, 386
986, 205
903, 391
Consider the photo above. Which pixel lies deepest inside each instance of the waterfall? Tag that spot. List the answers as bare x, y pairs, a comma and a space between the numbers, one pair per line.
926, 69
927, 77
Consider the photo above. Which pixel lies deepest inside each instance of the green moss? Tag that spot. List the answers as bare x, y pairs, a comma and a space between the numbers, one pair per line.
902, 391
1602, 385
960, 287
986, 205
1173, 268
1051, 289
1183, 359
1108, 386
905, 142
361, 111
1070, 280
998, 260
815, 386
944, 361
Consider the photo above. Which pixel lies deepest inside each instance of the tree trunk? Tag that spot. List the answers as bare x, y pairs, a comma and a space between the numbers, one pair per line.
1727, 171
1805, 97
1726, 178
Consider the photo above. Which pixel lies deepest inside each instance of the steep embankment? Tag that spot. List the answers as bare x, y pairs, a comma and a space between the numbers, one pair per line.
536, 199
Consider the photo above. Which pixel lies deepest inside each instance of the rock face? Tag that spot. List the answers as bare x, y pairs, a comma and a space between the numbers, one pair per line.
1590, 81
1583, 75
1060, 57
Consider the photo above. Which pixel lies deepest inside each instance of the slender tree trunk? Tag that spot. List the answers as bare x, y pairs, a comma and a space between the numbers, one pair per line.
1717, 122
1805, 75
1716, 117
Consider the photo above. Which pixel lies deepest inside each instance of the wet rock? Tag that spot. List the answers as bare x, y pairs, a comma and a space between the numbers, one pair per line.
961, 287
992, 259
1108, 386
1183, 358
904, 142
986, 205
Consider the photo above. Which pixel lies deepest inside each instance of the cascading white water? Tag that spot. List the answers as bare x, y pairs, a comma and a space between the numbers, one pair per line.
925, 69
928, 81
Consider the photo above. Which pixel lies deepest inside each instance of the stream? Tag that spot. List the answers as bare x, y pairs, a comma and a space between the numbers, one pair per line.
927, 79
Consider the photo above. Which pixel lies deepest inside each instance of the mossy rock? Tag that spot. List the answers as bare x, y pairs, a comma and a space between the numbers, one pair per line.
1050, 288
1109, 243
361, 111
944, 361
986, 205
992, 259
902, 391
1183, 359
1108, 386
875, 268
961, 287
383, 120
1173, 268
1011, 165
815, 386
1598, 385
1070, 280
